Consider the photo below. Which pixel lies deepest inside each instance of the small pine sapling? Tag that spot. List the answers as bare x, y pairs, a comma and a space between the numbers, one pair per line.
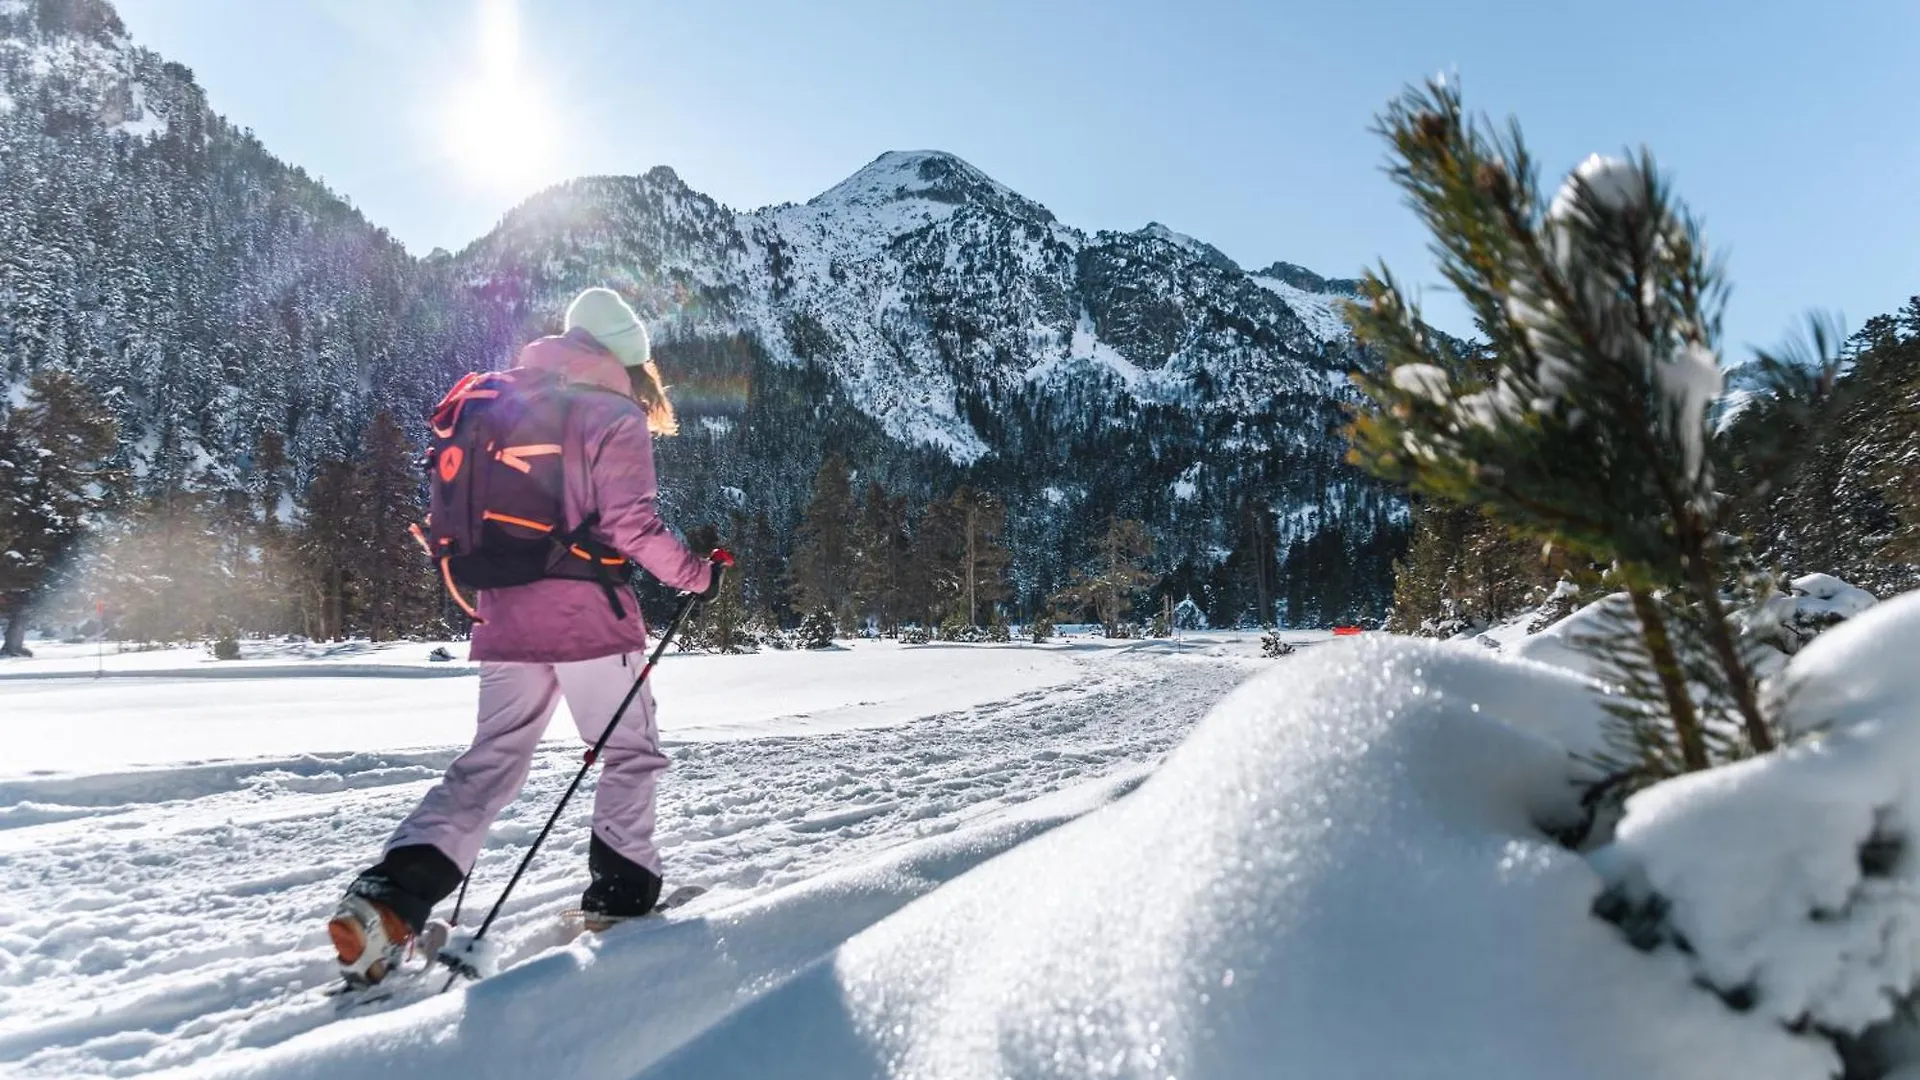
817, 630
1584, 420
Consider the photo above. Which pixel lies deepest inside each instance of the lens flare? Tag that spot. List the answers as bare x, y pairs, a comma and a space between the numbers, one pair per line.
698, 395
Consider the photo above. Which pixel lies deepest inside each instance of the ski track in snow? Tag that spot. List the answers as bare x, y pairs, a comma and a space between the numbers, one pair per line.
162, 918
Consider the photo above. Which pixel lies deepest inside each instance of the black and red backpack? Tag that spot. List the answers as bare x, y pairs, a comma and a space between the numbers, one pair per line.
496, 506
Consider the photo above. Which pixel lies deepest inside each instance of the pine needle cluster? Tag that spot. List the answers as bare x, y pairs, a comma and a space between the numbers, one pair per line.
1584, 422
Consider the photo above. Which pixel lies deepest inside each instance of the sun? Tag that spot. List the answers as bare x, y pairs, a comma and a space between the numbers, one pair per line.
496, 128
498, 133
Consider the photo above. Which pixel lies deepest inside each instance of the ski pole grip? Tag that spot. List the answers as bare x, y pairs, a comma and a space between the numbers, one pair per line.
722, 557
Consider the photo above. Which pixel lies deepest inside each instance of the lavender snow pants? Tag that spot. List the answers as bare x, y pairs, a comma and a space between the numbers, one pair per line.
516, 701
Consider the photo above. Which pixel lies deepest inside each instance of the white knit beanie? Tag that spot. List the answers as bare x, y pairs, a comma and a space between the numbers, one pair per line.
601, 313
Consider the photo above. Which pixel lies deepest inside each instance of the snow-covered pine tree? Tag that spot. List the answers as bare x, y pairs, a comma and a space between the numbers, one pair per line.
881, 546
725, 618
982, 557
822, 566
720, 625
268, 602
932, 582
1825, 455
1601, 309
324, 544
763, 573
1249, 579
390, 583
1899, 468
1109, 586
54, 449
817, 630
1187, 615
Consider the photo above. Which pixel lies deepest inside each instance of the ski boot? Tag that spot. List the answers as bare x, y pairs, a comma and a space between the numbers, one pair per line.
620, 888
369, 940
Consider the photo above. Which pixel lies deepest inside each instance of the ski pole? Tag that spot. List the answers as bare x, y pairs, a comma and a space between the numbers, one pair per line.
723, 559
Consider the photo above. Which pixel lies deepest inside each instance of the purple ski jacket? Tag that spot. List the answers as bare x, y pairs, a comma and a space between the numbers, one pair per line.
608, 456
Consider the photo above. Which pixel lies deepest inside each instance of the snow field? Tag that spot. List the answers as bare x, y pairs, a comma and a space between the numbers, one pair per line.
1344, 870
162, 707
157, 917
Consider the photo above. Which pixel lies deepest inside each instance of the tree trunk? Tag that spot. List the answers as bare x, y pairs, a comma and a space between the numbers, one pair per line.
16, 641
1739, 676
1703, 583
972, 610
1673, 682
335, 616
1263, 567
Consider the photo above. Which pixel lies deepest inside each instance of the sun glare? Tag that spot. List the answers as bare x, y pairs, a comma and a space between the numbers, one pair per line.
499, 35
496, 127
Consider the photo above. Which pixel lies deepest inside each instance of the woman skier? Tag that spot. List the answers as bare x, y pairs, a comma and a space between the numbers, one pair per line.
554, 638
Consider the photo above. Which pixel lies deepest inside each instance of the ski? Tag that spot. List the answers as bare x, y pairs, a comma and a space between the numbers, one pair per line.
349, 996
577, 921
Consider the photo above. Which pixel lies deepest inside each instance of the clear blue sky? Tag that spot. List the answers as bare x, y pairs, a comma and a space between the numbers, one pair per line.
1789, 127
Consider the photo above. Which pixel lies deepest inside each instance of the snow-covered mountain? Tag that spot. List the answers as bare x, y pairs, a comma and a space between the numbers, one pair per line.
919, 317
1076, 373
924, 287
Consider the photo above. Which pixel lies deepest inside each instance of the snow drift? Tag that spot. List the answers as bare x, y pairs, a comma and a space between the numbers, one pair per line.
1344, 872
1781, 625
1790, 879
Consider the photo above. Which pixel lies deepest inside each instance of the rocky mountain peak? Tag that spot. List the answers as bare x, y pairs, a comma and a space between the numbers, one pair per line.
932, 182
664, 178
1304, 279
1199, 249
90, 21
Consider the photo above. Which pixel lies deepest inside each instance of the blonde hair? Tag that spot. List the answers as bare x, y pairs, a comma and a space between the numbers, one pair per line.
651, 393
643, 382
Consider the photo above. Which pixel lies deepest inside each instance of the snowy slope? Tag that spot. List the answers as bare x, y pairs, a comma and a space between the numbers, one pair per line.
169, 915
1319, 310
841, 280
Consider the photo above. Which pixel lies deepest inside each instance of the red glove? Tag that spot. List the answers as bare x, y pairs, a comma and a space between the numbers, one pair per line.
721, 561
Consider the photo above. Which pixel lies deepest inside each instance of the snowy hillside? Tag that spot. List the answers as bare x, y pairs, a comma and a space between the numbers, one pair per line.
211, 295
